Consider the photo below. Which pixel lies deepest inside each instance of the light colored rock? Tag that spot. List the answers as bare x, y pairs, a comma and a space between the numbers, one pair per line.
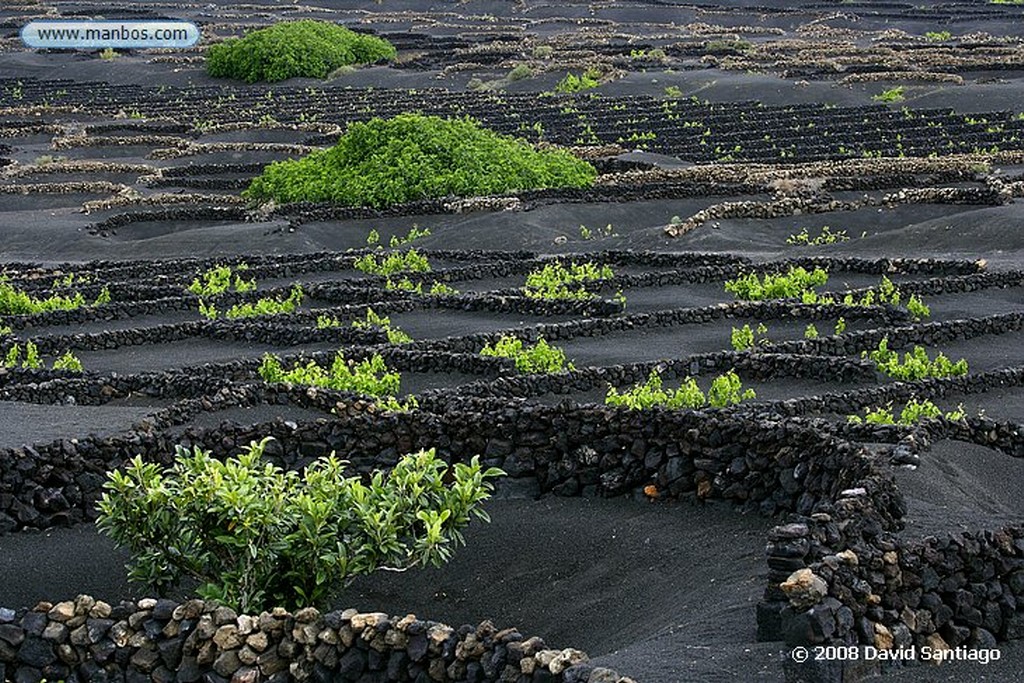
804, 588
62, 611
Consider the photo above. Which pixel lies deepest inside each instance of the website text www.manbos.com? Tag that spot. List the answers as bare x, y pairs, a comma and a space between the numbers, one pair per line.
112, 34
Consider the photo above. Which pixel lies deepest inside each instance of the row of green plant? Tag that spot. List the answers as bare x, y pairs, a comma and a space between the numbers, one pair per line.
913, 412
415, 233
726, 390
534, 358
559, 281
254, 537
436, 288
915, 364
796, 282
384, 162
371, 321
261, 307
825, 236
407, 261
14, 301
799, 283
220, 279
30, 359
747, 338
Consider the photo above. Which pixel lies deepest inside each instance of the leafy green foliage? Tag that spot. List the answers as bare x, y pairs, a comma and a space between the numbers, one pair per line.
68, 361
746, 338
794, 283
31, 360
407, 285
591, 78
918, 308
295, 48
890, 95
915, 364
218, 280
913, 412
726, 390
264, 306
558, 281
370, 376
597, 233
938, 36
19, 302
539, 357
408, 261
826, 236
840, 326
255, 536
384, 162
810, 332
375, 321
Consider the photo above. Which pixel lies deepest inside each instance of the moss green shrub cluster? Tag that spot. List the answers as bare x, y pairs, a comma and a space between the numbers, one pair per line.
255, 536
295, 48
409, 157
539, 357
726, 390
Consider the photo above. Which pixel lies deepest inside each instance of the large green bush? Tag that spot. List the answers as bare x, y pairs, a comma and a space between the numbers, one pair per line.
257, 537
294, 48
389, 161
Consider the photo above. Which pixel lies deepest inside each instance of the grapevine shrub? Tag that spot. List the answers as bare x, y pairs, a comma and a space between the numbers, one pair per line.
915, 364
558, 281
797, 282
726, 390
384, 162
256, 537
306, 48
540, 357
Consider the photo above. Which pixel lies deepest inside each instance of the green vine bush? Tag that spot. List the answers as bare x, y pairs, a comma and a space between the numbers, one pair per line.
220, 279
571, 83
913, 412
915, 364
370, 376
407, 285
558, 281
256, 537
797, 282
384, 162
746, 338
31, 360
289, 49
261, 307
536, 358
18, 302
826, 236
408, 261
726, 390
375, 321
